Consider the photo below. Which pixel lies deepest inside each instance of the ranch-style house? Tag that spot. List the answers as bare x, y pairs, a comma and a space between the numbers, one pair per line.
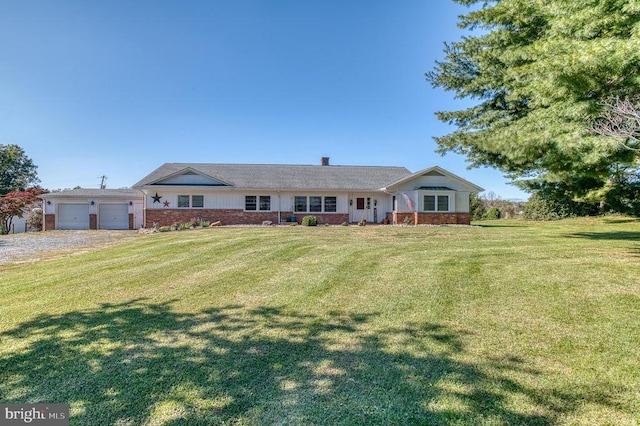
236, 194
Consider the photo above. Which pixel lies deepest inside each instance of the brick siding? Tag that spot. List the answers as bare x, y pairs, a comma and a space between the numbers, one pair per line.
49, 222
328, 218
421, 218
167, 217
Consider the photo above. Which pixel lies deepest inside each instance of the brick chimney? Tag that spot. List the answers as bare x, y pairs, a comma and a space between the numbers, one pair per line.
324, 161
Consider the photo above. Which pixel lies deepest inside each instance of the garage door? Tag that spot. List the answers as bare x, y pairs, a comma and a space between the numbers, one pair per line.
73, 216
113, 216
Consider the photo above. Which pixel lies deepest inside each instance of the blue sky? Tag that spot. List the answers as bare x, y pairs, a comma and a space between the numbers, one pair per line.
116, 88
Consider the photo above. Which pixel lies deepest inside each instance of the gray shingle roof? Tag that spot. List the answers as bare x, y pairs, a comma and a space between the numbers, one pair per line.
95, 193
277, 176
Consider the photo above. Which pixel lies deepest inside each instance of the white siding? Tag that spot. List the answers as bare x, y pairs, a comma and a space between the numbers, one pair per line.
370, 210
401, 201
19, 224
226, 199
138, 214
441, 181
49, 207
462, 202
458, 198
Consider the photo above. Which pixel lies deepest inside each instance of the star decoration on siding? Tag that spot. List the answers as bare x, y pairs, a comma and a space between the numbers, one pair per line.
156, 198
166, 204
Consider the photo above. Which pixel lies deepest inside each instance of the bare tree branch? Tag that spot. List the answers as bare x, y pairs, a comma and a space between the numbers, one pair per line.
621, 121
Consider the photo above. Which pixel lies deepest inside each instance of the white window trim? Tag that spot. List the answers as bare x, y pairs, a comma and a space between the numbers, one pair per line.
190, 206
451, 205
257, 209
259, 203
322, 203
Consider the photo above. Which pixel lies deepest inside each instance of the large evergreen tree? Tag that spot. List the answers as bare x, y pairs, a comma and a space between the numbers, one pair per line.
540, 71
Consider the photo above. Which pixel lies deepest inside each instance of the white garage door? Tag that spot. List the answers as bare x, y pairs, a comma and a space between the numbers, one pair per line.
73, 216
113, 216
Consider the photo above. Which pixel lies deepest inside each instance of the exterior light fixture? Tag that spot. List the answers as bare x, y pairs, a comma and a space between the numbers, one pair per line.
92, 202
350, 202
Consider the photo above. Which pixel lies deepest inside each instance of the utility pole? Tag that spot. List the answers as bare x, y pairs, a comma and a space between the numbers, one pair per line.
103, 185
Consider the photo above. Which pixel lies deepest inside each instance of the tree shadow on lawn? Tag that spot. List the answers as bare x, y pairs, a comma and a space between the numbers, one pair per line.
630, 236
143, 363
612, 235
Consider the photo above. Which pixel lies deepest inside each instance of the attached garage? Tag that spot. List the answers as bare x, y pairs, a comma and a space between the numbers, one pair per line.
113, 216
73, 216
84, 208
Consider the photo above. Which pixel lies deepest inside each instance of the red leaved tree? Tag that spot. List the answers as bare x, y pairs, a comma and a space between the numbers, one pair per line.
14, 205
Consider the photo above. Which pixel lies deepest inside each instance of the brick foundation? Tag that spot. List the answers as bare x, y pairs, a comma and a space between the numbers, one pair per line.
420, 218
93, 221
323, 218
130, 220
167, 217
49, 222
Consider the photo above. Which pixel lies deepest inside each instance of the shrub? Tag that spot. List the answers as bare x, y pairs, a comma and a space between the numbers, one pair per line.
164, 229
624, 198
34, 219
542, 208
492, 214
476, 205
309, 221
345, 224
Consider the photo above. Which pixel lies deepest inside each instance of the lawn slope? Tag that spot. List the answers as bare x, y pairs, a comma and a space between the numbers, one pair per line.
507, 323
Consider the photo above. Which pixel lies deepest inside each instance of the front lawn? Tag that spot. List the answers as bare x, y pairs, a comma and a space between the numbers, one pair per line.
506, 323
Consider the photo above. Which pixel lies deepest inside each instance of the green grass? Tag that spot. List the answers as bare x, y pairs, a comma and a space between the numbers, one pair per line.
508, 323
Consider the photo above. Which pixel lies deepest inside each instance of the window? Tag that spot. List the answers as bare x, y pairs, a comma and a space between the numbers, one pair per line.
195, 201
330, 204
300, 203
265, 202
250, 202
443, 203
438, 203
183, 201
315, 204
360, 203
253, 202
430, 203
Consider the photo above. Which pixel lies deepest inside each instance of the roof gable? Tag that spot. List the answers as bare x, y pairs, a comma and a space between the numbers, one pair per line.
189, 177
434, 177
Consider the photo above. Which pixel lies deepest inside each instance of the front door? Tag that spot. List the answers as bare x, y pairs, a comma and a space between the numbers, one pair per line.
362, 207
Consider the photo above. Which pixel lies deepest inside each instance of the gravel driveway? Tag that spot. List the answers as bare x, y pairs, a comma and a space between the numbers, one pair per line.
32, 245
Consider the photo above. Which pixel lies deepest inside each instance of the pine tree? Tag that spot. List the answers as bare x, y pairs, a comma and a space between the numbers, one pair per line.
540, 71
